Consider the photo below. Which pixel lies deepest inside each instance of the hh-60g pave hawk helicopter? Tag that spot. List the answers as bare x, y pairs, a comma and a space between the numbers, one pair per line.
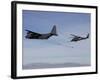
35, 35
78, 38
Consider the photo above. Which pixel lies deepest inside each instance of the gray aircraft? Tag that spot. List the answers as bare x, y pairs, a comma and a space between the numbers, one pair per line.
78, 38
35, 35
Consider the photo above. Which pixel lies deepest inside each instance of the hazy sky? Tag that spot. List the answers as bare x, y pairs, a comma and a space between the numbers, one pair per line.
40, 21
56, 49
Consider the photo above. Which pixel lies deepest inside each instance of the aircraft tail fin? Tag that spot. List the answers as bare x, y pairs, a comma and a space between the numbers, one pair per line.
87, 35
53, 31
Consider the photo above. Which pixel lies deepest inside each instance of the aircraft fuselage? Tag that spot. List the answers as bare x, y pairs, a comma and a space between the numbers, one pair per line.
77, 39
42, 36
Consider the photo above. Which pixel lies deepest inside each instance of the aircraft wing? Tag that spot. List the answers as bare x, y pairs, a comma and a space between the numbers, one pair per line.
33, 33
75, 36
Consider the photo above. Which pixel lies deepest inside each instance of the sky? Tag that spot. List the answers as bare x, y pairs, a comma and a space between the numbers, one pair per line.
57, 49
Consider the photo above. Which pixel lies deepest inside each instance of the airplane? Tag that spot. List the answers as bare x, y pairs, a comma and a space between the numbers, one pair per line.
78, 38
35, 35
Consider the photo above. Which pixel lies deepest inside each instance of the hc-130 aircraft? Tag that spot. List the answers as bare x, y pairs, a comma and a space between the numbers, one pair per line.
35, 35
78, 38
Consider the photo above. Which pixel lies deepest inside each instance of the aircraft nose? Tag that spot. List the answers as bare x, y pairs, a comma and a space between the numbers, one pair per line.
26, 36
